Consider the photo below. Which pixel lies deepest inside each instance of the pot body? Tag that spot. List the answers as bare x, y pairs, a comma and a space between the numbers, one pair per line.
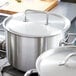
22, 52
61, 62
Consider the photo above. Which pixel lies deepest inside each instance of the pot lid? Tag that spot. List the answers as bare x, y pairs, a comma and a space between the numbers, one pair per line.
65, 59
54, 20
31, 29
61, 58
58, 57
56, 25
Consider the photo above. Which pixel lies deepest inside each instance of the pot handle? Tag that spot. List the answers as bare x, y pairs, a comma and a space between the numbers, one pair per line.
65, 41
67, 58
31, 72
36, 11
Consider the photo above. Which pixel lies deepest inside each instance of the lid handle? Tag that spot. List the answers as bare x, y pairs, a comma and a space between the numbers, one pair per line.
37, 11
67, 58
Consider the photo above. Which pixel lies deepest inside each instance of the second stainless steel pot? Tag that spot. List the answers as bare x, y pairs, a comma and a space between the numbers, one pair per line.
25, 41
60, 62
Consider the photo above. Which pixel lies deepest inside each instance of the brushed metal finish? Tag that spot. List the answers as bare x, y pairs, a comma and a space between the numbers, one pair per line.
54, 61
22, 52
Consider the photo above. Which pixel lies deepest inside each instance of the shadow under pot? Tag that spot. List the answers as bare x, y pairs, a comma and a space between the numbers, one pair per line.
25, 41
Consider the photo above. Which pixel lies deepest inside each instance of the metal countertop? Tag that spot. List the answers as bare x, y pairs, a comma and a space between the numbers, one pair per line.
66, 9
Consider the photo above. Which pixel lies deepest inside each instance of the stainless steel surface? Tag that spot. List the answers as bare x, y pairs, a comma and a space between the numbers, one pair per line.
31, 72
64, 62
65, 8
23, 52
11, 71
35, 12
58, 22
71, 34
69, 40
72, 29
59, 61
24, 48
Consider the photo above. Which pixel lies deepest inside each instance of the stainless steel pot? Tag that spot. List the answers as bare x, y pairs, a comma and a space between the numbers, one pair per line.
60, 62
25, 41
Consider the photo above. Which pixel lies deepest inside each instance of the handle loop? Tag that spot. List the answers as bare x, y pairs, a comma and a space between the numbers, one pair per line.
36, 11
67, 58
